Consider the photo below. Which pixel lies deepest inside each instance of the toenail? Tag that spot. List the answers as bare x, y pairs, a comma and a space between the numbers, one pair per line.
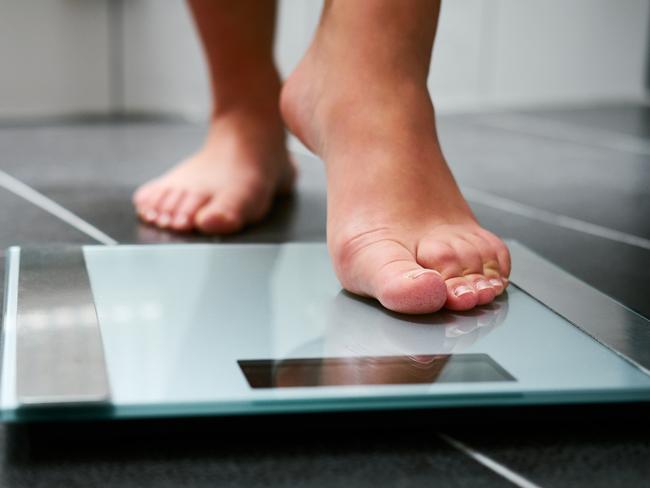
150, 215
463, 290
164, 220
417, 273
496, 282
483, 285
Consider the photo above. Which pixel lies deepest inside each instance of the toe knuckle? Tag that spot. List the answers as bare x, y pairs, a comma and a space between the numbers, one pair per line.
346, 246
441, 253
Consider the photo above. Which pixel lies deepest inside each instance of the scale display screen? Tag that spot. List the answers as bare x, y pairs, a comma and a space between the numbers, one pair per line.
372, 370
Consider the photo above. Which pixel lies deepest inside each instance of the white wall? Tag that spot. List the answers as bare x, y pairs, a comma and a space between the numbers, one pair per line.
55, 54
53, 57
163, 61
501, 53
567, 50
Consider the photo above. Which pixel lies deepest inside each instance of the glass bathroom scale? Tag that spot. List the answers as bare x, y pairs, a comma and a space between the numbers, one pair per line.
108, 332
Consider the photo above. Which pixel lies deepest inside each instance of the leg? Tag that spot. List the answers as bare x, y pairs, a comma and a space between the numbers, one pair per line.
232, 179
398, 227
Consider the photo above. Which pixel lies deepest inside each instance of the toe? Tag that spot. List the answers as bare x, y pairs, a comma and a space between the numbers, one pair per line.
167, 207
494, 254
221, 216
501, 251
404, 287
183, 216
484, 289
486, 250
142, 194
498, 283
468, 255
387, 270
148, 203
461, 294
230, 211
469, 265
451, 256
439, 255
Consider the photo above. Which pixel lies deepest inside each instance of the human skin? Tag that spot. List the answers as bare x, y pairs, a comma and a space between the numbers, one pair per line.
398, 227
232, 180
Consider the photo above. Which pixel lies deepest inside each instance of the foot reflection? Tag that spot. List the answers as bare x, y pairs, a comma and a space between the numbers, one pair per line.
365, 370
362, 326
365, 344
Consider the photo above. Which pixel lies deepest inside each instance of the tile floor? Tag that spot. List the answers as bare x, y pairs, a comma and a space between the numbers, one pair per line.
573, 184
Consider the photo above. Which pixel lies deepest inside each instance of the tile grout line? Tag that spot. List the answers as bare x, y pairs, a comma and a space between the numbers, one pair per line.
489, 463
533, 125
28, 193
558, 220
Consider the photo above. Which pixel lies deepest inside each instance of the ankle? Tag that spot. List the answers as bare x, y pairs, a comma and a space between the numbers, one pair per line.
352, 113
320, 104
254, 92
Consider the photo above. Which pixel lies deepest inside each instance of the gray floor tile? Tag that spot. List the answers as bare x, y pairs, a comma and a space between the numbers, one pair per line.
603, 187
605, 456
618, 270
299, 217
133, 455
109, 154
21, 223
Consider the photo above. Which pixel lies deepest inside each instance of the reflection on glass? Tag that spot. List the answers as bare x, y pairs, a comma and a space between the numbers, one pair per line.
362, 327
364, 344
372, 370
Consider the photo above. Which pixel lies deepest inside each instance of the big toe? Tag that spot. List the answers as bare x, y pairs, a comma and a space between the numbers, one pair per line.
146, 200
218, 217
407, 289
387, 271
230, 211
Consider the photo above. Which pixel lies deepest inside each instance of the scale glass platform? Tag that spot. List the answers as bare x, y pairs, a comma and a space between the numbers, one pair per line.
182, 330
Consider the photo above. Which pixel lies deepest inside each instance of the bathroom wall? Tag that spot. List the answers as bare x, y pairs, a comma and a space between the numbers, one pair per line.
60, 57
53, 57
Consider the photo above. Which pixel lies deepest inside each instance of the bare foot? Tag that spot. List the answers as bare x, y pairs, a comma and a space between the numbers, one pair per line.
230, 182
244, 163
398, 227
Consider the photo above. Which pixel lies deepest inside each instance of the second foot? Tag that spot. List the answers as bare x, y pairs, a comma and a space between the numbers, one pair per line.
230, 183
